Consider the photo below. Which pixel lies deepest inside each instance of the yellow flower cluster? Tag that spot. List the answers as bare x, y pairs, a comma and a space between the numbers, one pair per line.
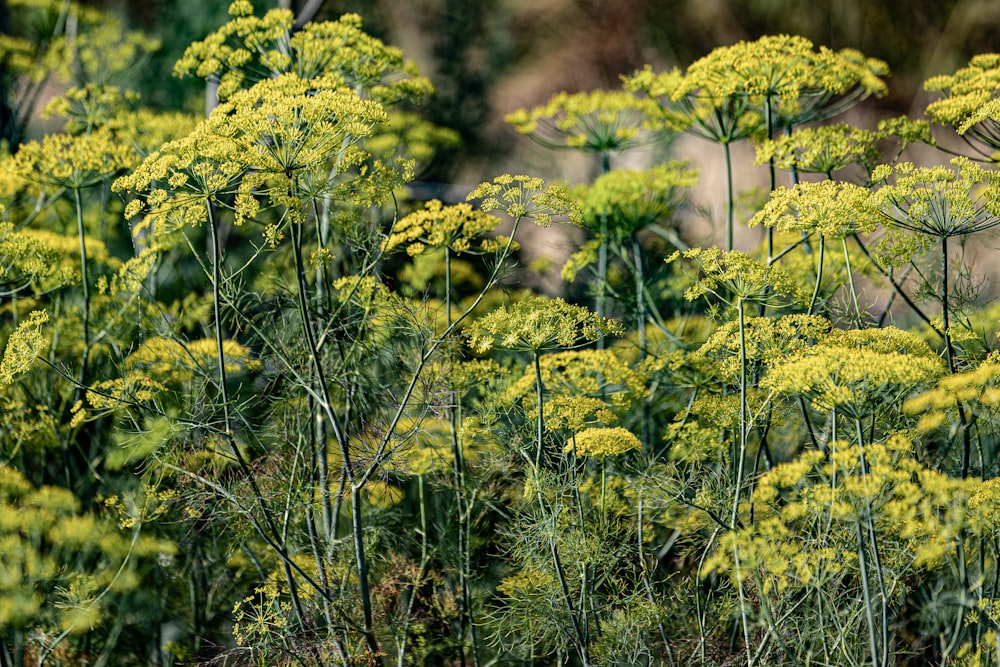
966, 93
75, 161
801, 81
30, 258
807, 511
526, 197
439, 226
939, 201
626, 201
170, 361
835, 209
734, 274
249, 49
599, 121
23, 346
856, 378
603, 442
537, 324
823, 149
979, 387
286, 125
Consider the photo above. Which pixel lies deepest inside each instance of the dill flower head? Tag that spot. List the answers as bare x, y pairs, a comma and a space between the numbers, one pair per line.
89, 106
857, 372
939, 201
603, 442
74, 161
537, 324
23, 346
969, 100
734, 274
830, 208
526, 197
249, 49
439, 226
625, 201
599, 121
822, 150
803, 84
683, 105
286, 125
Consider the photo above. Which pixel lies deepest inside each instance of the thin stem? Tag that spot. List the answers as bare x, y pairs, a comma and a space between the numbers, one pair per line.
819, 275
357, 520
734, 517
850, 284
950, 353
85, 279
730, 203
539, 423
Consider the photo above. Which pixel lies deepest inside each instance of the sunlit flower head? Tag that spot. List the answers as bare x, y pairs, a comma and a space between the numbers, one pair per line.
537, 324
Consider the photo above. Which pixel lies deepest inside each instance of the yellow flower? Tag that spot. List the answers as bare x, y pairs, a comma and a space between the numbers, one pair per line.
599, 121
537, 324
603, 442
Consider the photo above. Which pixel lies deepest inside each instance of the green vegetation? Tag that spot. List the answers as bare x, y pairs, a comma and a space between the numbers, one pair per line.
260, 407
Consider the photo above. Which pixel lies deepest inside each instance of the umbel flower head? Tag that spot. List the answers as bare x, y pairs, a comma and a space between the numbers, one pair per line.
526, 197
680, 106
803, 84
735, 276
834, 209
600, 121
439, 226
277, 132
607, 441
626, 201
940, 202
970, 101
288, 124
249, 49
857, 372
829, 148
537, 324
75, 162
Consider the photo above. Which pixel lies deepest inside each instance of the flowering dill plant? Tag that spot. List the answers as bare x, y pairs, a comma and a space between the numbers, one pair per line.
538, 324
442, 227
803, 84
249, 49
969, 103
735, 278
857, 373
599, 122
940, 203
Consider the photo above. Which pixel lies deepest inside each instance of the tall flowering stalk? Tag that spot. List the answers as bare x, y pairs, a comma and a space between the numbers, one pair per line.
736, 279
781, 78
600, 122
829, 209
941, 203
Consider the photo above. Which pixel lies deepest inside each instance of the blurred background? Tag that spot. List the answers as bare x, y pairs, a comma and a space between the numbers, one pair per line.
490, 57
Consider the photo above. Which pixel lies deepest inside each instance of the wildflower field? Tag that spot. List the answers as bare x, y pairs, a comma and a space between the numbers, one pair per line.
261, 405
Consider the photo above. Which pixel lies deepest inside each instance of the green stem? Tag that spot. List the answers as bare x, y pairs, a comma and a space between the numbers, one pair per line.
819, 275
850, 284
734, 516
539, 423
466, 621
85, 279
730, 199
357, 520
950, 353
